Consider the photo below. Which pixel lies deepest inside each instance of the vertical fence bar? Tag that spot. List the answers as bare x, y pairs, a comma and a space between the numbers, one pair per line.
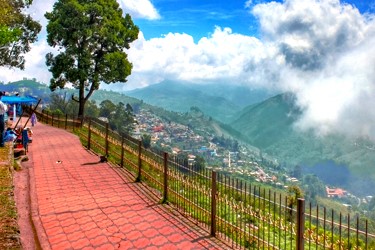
286, 217
317, 227
165, 184
213, 203
122, 151
340, 232
300, 223
348, 230
89, 136
106, 138
138, 179
263, 218
332, 226
58, 121
259, 218
73, 123
366, 240
52, 120
357, 230
310, 215
324, 228
66, 121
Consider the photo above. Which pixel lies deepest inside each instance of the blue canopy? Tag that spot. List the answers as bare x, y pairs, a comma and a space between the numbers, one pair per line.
28, 100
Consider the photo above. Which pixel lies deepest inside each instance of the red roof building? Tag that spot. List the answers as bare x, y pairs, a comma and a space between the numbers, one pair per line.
335, 192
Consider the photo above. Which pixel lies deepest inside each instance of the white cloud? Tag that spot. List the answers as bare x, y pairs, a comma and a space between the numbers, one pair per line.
219, 57
35, 66
322, 50
326, 48
139, 9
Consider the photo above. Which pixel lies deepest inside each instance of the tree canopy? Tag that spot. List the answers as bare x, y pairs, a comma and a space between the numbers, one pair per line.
92, 37
17, 31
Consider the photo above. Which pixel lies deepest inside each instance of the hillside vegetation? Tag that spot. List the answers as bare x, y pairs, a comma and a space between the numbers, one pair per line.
221, 102
338, 160
266, 125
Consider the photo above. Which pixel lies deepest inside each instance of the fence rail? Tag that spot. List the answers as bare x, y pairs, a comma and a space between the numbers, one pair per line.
236, 211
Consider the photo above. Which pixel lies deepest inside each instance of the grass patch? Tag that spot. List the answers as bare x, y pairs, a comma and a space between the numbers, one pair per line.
9, 231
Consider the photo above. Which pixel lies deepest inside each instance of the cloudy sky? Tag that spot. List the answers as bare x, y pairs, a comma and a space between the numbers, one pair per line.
322, 50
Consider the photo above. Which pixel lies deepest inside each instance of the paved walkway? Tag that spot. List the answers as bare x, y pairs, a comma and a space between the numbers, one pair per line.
79, 203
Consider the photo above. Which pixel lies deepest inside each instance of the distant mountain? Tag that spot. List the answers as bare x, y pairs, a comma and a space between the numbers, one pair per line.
337, 160
267, 125
28, 88
241, 96
219, 101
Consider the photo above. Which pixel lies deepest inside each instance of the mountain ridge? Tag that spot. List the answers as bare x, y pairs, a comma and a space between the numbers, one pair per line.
220, 101
269, 126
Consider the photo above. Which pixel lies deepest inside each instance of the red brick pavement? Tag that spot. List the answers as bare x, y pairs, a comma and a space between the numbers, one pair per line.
79, 203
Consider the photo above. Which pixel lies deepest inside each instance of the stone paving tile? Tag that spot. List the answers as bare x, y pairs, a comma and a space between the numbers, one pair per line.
93, 207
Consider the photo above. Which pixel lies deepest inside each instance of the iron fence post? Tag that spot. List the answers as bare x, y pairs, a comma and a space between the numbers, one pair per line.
89, 136
106, 138
138, 179
73, 123
165, 172
213, 203
66, 121
300, 223
58, 121
122, 151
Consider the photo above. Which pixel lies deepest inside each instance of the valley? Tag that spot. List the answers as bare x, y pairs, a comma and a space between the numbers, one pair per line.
258, 142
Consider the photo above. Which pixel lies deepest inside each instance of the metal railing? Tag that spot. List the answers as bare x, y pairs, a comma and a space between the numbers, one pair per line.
234, 210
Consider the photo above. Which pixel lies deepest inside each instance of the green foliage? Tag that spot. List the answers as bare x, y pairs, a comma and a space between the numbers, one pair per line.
8, 35
177, 97
200, 163
371, 205
92, 36
226, 142
146, 140
61, 101
92, 109
122, 119
17, 32
269, 126
106, 108
313, 187
294, 193
297, 172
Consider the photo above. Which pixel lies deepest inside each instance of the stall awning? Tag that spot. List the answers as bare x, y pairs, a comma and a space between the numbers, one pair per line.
27, 100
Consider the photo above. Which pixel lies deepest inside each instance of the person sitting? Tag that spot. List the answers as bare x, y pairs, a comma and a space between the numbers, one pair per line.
29, 133
10, 135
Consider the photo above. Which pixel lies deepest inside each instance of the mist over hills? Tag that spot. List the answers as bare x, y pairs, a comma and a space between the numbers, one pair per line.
267, 122
336, 159
257, 119
221, 101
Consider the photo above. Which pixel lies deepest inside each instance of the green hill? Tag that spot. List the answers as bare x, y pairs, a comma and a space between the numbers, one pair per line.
28, 88
219, 101
269, 126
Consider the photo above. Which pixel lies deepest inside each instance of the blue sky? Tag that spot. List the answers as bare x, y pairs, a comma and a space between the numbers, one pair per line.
199, 17
321, 50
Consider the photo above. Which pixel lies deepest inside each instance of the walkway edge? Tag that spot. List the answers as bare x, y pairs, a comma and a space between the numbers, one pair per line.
34, 213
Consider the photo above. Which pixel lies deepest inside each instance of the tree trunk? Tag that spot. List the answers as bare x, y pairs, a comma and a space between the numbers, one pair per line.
82, 100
